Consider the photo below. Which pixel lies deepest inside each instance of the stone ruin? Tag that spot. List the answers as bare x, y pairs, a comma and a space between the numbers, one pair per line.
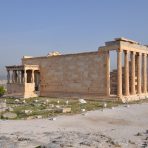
84, 74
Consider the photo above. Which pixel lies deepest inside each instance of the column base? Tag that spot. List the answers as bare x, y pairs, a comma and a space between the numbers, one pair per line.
134, 97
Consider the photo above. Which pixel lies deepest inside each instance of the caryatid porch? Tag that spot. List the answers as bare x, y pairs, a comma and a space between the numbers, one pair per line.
132, 76
23, 80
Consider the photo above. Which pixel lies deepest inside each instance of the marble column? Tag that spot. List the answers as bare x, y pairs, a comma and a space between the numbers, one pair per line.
119, 73
32, 76
19, 77
126, 62
13, 80
108, 73
145, 73
15, 76
139, 73
25, 76
133, 73
8, 76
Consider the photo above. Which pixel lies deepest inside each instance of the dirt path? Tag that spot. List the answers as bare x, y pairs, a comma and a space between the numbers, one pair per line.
118, 127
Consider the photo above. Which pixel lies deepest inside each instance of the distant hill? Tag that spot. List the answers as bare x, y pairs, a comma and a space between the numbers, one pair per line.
3, 77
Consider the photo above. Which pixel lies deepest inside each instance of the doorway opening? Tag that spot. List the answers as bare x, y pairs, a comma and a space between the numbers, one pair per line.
37, 80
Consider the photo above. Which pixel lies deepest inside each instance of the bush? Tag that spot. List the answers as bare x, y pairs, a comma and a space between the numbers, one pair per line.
2, 91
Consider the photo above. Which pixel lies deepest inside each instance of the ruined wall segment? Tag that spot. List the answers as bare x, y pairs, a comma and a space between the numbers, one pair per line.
15, 89
73, 74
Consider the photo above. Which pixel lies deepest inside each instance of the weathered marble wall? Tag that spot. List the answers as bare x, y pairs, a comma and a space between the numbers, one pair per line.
15, 88
73, 74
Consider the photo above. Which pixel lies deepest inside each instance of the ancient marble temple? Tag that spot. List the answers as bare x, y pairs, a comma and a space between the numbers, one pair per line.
84, 74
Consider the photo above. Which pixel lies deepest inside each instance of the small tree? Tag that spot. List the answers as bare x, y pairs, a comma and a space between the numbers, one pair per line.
2, 91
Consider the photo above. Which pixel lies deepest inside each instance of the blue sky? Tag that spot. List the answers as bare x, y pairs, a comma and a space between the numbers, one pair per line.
36, 27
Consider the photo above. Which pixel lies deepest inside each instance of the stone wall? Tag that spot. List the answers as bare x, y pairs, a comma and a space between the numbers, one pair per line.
30, 90
113, 81
17, 89
73, 74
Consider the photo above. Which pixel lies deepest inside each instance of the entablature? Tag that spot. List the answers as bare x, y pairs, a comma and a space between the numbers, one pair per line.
22, 67
124, 44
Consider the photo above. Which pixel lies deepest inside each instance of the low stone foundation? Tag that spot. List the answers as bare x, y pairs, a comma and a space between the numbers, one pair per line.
134, 98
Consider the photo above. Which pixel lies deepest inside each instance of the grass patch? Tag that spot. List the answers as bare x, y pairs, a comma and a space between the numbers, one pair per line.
47, 107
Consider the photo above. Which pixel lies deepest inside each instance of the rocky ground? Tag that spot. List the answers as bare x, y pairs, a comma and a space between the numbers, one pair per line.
42, 107
122, 126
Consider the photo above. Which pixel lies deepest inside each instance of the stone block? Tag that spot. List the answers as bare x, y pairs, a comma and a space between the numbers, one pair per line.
9, 115
66, 110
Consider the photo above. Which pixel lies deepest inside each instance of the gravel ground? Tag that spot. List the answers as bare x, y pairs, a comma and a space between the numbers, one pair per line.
123, 126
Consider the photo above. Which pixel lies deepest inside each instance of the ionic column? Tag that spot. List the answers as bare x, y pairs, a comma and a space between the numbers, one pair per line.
8, 76
32, 76
126, 61
25, 76
145, 73
133, 73
119, 73
139, 73
108, 73
13, 76
19, 77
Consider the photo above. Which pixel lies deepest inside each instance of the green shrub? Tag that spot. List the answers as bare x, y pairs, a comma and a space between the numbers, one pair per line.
2, 91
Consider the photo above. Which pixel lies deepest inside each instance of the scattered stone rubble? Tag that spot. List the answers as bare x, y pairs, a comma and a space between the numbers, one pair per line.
9, 115
3, 106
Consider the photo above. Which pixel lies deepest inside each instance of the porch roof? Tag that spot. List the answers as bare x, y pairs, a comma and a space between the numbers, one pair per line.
124, 44
23, 67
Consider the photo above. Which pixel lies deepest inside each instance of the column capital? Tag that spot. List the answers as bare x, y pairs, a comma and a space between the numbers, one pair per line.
142, 54
145, 54
119, 50
133, 52
139, 53
126, 51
